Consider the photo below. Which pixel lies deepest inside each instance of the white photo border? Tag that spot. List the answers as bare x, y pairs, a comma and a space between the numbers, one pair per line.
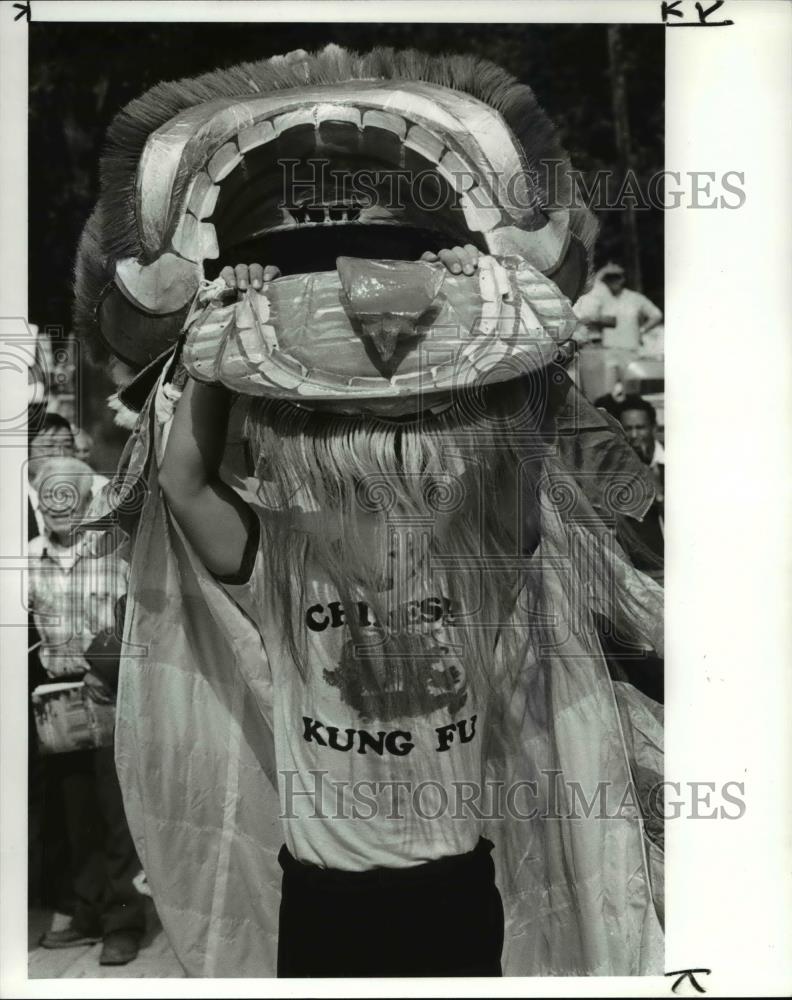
728, 494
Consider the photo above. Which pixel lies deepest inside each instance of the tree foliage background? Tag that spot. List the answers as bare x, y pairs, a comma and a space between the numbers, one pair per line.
82, 74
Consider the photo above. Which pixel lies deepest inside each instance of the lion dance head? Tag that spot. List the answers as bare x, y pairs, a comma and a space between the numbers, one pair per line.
373, 381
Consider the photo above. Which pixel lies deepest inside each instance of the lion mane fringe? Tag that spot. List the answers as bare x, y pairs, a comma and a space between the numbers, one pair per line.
435, 487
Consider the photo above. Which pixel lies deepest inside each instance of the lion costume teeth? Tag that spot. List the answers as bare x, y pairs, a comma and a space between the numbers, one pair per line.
202, 172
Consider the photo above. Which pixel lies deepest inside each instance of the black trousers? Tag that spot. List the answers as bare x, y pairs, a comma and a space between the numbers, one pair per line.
444, 918
103, 856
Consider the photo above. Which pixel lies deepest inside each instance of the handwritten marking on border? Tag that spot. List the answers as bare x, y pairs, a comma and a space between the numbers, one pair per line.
671, 9
688, 974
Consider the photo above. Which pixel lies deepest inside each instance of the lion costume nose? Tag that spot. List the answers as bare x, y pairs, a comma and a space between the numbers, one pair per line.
386, 298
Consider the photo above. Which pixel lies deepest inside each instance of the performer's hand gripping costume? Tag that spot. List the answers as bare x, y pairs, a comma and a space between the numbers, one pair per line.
435, 503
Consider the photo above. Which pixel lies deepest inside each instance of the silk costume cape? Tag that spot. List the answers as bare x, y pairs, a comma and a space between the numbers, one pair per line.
195, 751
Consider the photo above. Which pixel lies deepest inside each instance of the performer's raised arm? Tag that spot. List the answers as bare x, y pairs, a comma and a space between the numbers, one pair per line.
215, 519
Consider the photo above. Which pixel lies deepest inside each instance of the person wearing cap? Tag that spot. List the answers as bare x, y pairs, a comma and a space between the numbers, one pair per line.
615, 318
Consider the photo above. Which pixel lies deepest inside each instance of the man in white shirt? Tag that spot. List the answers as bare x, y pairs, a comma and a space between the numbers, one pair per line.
616, 319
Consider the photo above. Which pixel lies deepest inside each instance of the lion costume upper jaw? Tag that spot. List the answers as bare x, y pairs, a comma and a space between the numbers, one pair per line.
300, 160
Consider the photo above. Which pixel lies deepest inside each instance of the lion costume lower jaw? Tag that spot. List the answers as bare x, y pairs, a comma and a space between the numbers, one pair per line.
384, 338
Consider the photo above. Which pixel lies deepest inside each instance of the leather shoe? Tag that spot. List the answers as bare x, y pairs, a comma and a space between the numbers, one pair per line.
119, 948
69, 937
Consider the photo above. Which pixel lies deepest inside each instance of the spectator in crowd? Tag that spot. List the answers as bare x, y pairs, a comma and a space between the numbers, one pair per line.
645, 541
54, 436
47, 848
639, 420
76, 587
83, 445
616, 318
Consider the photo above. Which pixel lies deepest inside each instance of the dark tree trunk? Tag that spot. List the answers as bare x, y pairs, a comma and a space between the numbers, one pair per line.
621, 124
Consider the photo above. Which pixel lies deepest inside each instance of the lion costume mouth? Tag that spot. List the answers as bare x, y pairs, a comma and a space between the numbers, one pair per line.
309, 159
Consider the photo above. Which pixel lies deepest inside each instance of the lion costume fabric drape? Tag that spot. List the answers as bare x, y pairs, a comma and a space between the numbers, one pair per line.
582, 887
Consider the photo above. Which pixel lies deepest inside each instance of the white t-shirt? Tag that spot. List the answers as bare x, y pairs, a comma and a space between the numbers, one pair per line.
630, 309
367, 772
